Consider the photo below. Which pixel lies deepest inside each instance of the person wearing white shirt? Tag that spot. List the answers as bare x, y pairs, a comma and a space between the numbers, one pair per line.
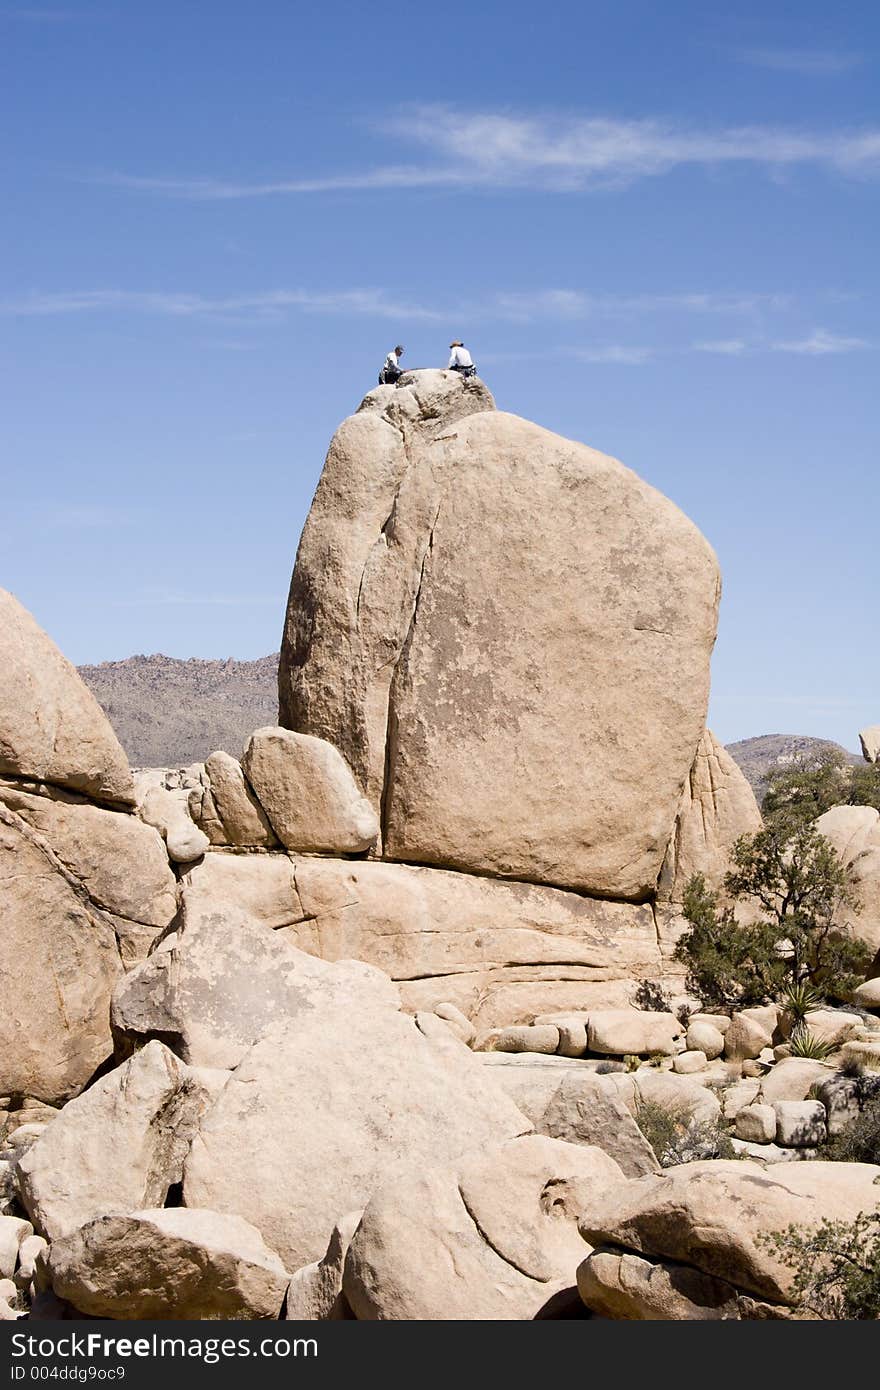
460, 360
391, 370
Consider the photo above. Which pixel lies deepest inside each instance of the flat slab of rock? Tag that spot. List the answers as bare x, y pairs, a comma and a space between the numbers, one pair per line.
492, 1237
168, 1263
331, 1107
308, 793
500, 952
51, 726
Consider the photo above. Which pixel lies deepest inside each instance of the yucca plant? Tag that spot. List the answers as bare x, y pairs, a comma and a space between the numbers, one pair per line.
800, 998
803, 1043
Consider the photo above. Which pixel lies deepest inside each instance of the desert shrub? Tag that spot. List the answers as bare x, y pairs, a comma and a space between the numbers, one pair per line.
799, 884
803, 1043
798, 794
677, 1138
860, 1141
837, 1266
798, 998
651, 997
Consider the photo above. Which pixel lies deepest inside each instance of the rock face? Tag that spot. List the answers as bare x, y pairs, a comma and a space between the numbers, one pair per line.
227, 809
854, 831
332, 1110
168, 1263
117, 1147
224, 980
870, 740
308, 793
717, 806
633, 1289
51, 727
501, 952
494, 1237
59, 961
425, 658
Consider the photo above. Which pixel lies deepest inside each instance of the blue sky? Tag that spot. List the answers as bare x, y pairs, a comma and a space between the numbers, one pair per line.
655, 226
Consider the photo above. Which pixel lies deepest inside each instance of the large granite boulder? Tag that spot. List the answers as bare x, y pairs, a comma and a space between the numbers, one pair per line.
118, 1147
577, 632
714, 1215
324, 1109
494, 1236
51, 726
717, 806
854, 831
223, 978
59, 961
870, 741
168, 1263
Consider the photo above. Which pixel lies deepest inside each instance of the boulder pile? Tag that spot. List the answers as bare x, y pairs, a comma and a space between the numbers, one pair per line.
347, 1027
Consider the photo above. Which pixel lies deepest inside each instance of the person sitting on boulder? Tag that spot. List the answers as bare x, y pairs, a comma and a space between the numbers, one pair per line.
391, 370
460, 360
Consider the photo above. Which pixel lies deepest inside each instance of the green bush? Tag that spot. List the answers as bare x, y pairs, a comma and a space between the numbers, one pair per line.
677, 1138
798, 884
860, 1141
799, 793
837, 1266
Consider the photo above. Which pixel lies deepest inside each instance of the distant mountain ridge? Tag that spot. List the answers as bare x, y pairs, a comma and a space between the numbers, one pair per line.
169, 711
758, 757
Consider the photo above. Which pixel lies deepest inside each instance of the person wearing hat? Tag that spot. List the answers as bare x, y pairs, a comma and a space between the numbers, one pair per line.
460, 360
391, 370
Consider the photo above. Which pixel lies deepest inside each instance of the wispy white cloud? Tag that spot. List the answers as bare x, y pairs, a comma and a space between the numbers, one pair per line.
809, 62
724, 347
554, 153
265, 304
820, 343
503, 305
614, 353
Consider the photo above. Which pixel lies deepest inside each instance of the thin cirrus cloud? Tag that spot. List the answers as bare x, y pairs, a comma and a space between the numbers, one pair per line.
808, 62
502, 305
821, 343
552, 153
723, 347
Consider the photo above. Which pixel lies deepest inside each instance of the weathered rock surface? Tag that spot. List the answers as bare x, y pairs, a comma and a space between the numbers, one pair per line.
630, 1288
854, 831
705, 1037
116, 1148
225, 980
492, 1237
750, 1032
225, 806
869, 738
717, 806
867, 995
52, 728
59, 960
572, 1103
683, 1096
412, 650
521, 1038
618, 1032
168, 1263
500, 952
331, 1110
168, 812
710, 1215
799, 1123
315, 1291
756, 1124
120, 862
792, 1079
308, 793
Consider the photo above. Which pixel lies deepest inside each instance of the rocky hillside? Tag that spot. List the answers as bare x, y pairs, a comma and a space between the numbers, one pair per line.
758, 757
171, 712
